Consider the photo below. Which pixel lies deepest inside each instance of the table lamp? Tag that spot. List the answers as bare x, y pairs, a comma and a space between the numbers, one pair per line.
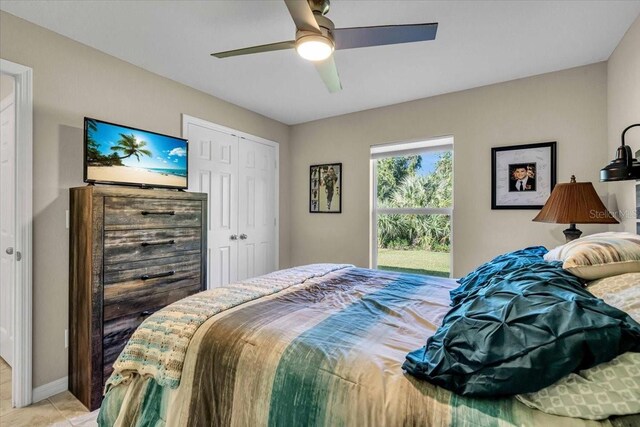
574, 203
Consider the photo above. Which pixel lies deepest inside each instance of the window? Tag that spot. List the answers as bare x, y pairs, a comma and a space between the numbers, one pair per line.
412, 205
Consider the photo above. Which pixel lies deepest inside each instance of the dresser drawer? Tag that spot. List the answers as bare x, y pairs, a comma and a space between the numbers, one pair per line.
121, 246
116, 333
155, 299
133, 276
132, 213
140, 285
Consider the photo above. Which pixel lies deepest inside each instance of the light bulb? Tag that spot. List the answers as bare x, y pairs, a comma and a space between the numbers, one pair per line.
314, 47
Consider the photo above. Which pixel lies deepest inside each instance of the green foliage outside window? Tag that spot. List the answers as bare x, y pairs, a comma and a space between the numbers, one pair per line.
401, 186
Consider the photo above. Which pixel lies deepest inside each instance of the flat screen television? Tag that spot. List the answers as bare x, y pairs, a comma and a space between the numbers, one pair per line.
116, 154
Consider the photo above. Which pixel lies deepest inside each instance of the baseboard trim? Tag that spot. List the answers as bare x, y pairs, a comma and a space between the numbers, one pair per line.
48, 390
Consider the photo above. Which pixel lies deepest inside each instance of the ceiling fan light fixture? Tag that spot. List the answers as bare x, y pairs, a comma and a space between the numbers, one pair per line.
314, 47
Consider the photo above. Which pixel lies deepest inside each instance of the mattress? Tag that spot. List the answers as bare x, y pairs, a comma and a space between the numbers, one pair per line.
324, 352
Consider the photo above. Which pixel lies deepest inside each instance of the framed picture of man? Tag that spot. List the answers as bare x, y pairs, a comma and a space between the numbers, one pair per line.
325, 188
522, 176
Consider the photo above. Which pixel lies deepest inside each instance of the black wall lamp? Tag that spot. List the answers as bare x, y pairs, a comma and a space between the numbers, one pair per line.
625, 167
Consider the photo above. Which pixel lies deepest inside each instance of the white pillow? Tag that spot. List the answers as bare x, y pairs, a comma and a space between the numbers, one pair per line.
599, 255
621, 292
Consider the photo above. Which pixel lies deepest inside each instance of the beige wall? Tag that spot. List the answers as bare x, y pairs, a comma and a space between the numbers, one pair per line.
70, 81
623, 101
567, 106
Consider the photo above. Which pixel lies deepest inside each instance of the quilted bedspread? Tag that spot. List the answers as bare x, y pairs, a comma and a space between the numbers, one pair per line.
325, 352
158, 347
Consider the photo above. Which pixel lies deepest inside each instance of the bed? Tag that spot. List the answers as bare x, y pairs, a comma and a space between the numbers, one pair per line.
319, 345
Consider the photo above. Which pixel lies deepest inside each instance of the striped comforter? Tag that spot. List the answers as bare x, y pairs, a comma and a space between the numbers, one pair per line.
327, 352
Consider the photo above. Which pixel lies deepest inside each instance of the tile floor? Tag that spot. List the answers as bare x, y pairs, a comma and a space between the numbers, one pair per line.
63, 409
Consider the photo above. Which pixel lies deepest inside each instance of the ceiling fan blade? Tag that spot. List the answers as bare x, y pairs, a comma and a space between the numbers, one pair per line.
329, 74
302, 15
256, 49
349, 38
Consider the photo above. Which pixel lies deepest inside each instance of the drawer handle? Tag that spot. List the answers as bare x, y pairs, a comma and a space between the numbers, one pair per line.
146, 313
155, 276
165, 242
158, 212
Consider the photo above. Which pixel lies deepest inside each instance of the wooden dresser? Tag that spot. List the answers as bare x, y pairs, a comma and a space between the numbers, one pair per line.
132, 252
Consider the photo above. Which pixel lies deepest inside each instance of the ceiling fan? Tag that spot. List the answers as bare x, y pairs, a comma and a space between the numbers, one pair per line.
317, 38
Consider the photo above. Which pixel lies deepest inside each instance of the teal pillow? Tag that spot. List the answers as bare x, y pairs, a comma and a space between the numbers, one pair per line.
523, 332
500, 265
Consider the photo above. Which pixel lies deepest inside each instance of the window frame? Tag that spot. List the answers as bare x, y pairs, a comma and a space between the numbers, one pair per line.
404, 149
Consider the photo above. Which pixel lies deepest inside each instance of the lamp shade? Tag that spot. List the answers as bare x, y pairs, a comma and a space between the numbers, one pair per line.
575, 203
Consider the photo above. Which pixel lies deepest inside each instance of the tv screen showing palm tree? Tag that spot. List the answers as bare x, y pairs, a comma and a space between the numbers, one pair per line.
116, 154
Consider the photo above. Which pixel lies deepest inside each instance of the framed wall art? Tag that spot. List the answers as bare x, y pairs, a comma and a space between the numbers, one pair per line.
325, 188
522, 176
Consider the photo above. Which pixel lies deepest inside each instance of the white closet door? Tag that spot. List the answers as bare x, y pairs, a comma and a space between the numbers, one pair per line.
7, 227
257, 210
213, 169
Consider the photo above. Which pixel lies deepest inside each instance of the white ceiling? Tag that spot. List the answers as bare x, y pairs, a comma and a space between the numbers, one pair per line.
478, 43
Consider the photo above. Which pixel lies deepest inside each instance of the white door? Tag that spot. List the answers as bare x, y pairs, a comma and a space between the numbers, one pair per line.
257, 220
239, 175
7, 223
213, 169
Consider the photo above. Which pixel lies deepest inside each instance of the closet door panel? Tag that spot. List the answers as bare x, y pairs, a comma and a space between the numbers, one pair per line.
256, 220
213, 164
